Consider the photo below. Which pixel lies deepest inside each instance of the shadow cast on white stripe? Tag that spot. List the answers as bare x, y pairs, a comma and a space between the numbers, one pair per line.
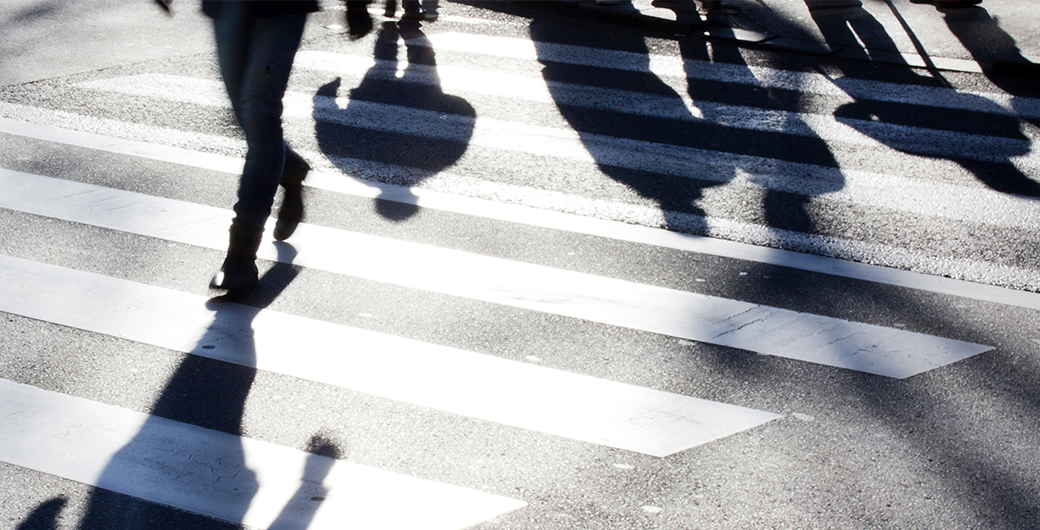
190, 468
457, 381
900, 142
666, 66
769, 331
862, 269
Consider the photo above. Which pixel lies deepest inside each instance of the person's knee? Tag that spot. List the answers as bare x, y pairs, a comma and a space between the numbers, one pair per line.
260, 114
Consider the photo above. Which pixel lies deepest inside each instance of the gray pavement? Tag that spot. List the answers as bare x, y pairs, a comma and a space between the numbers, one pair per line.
91, 36
998, 35
569, 170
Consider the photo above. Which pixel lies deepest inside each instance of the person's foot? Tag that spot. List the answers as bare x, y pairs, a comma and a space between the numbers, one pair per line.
239, 275
359, 21
412, 10
291, 212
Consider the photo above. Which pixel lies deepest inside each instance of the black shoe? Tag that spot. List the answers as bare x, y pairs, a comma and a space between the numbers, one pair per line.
412, 10
239, 275
359, 22
291, 212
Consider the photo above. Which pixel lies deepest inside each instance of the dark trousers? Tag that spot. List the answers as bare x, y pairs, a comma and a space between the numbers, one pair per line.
255, 56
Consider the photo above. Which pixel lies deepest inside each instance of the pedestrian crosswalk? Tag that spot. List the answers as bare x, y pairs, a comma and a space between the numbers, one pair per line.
883, 166
220, 475
433, 376
584, 174
770, 331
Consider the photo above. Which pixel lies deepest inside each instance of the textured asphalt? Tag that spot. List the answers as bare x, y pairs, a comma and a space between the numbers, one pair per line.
954, 447
997, 36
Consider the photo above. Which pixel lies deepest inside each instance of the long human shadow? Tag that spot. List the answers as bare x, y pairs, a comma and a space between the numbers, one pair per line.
719, 152
781, 207
983, 37
403, 122
787, 193
202, 393
988, 43
676, 195
323, 453
852, 26
45, 515
991, 165
909, 409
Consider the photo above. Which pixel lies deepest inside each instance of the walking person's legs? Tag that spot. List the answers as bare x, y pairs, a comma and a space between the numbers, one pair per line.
255, 55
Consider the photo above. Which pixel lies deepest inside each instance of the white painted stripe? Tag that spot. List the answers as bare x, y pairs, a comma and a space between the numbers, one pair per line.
866, 260
461, 382
486, 132
450, 79
820, 123
220, 475
912, 196
575, 215
890, 140
676, 67
761, 329
113, 135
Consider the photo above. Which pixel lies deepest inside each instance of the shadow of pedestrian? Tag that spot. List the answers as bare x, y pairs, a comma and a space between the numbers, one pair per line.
737, 112
988, 43
983, 37
603, 121
398, 127
924, 131
323, 454
856, 28
778, 199
45, 516
202, 393
635, 120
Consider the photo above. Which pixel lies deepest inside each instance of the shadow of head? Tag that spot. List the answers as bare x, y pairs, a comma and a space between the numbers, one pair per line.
323, 455
45, 516
322, 446
399, 120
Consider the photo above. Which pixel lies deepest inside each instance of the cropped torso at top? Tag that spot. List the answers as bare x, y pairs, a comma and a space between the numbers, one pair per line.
264, 8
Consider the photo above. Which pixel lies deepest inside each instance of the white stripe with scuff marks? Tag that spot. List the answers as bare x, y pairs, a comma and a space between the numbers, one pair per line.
765, 330
480, 386
220, 475
183, 148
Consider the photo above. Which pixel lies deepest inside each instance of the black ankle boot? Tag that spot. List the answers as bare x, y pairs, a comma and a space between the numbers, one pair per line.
291, 212
359, 22
412, 10
238, 275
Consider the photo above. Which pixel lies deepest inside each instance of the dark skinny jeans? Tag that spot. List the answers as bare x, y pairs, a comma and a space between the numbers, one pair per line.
255, 55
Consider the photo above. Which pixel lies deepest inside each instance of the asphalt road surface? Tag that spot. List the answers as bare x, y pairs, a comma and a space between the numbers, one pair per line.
554, 273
